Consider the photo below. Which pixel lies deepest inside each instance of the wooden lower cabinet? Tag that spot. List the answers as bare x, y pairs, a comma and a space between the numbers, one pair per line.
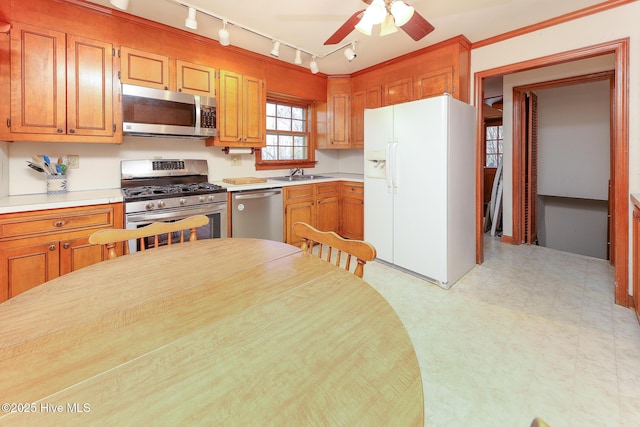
352, 210
636, 259
315, 204
328, 206
41, 245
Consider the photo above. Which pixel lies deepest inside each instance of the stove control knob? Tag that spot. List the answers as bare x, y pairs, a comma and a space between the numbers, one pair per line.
202, 199
212, 197
149, 206
182, 201
161, 204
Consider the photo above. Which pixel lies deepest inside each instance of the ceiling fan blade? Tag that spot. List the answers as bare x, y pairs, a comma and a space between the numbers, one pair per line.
345, 29
417, 27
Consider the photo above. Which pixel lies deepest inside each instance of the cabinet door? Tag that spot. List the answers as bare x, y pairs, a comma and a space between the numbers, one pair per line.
196, 79
38, 92
24, 267
230, 107
254, 115
636, 258
352, 218
144, 68
338, 116
328, 214
358, 103
89, 87
78, 253
374, 97
434, 83
398, 91
297, 212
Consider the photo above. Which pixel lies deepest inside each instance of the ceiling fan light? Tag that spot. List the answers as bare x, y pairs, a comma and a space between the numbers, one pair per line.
401, 12
120, 4
313, 66
375, 12
388, 26
364, 26
191, 22
223, 35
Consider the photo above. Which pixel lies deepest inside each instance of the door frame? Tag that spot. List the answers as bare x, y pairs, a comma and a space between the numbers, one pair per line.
620, 151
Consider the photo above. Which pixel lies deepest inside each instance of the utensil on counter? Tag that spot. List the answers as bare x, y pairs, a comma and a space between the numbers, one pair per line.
35, 167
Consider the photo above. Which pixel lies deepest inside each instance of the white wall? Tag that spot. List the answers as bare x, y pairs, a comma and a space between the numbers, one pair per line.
100, 163
574, 138
4, 169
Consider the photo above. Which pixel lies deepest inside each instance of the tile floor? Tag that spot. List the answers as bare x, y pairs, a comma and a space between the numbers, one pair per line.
531, 332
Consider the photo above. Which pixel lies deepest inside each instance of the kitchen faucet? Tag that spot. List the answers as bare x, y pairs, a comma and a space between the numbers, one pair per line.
292, 172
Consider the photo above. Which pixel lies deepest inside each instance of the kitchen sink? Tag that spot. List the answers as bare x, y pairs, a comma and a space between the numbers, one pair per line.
298, 177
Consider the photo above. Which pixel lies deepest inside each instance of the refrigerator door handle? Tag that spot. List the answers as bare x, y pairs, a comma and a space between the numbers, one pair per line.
389, 169
395, 166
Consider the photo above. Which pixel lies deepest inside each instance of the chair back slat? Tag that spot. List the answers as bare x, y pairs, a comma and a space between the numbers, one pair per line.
361, 250
111, 237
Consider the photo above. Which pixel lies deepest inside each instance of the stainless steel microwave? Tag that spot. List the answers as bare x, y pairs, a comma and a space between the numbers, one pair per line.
155, 112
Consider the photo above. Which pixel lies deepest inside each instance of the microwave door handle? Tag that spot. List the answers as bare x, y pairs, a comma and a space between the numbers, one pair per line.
198, 108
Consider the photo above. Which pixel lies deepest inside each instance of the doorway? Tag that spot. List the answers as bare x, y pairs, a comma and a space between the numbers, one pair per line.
567, 169
619, 199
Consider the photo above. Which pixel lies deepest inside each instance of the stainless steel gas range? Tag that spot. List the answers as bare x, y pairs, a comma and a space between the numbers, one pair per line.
170, 190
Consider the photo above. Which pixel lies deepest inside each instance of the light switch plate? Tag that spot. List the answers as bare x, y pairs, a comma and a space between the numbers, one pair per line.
74, 161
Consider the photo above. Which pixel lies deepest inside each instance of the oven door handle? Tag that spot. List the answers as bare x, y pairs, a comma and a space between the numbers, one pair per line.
175, 214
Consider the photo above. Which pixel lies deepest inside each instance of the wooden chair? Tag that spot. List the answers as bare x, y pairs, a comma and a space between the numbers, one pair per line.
363, 251
110, 237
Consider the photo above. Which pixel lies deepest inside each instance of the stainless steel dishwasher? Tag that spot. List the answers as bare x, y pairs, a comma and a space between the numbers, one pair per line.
258, 214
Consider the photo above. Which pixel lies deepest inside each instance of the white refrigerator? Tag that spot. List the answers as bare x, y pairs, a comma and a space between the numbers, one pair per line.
419, 186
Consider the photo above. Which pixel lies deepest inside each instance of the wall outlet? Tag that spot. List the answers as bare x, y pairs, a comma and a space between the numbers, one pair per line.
74, 161
235, 160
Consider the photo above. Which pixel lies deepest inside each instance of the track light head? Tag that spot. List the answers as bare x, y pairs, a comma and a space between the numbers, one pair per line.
313, 66
191, 22
276, 48
298, 59
120, 4
223, 34
350, 52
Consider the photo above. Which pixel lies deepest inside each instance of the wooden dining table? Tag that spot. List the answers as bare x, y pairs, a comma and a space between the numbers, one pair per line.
224, 332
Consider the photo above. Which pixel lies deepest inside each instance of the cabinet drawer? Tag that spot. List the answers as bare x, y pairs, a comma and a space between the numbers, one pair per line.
353, 189
327, 189
297, 193
43, 223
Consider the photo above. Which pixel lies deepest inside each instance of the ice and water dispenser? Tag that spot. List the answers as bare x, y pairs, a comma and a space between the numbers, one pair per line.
376, 164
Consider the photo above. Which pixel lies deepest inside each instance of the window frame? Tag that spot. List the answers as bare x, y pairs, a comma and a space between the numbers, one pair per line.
492, 123
310, 162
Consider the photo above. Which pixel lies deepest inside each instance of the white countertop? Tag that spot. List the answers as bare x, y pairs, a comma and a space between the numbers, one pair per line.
273, 183
34, 202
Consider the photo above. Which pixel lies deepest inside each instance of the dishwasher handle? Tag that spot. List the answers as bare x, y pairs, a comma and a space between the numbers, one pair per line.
257, 195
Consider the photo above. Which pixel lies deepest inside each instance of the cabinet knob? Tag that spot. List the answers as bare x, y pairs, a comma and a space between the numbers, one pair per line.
72, 130
60, 130
66, 245
52, 247
59, 223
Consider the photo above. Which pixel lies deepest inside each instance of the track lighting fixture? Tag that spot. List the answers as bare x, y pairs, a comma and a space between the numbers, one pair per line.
120, 4
298, 59
276, 48
313, 66
191, 22
223, 34
350, 52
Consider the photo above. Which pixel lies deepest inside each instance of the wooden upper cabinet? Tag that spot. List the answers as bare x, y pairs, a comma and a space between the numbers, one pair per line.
360, 100
242, 105
338, 113
434, 83
61, 84
196, 79
398, 91
89, 87
144, 68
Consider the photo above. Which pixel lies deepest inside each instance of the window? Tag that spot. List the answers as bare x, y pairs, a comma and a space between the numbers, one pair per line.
494, 145
288, 143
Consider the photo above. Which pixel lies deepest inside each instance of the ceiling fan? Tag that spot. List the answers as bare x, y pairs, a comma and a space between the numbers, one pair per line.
391, 14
